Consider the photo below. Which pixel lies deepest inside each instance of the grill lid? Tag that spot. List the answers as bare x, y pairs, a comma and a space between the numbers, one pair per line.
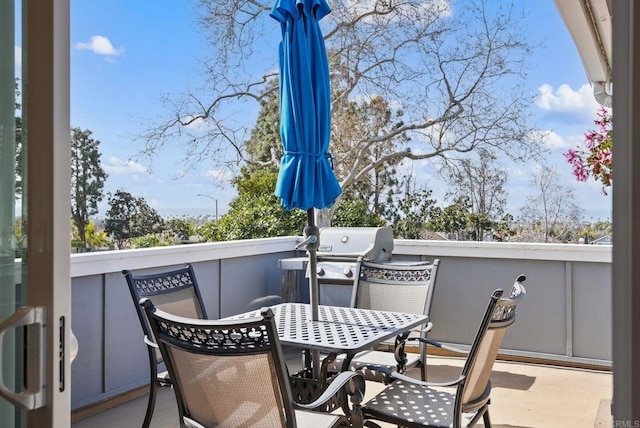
372, 243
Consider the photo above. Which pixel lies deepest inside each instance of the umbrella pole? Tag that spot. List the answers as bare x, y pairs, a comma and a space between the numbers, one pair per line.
311, 234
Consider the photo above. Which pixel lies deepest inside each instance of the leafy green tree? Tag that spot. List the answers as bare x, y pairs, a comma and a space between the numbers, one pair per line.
256, 211
355, 213
93, 237
453, 220
504, 229
150, 240
130, 217
264, 147
181, 228
415, 209
410, 212
87, 179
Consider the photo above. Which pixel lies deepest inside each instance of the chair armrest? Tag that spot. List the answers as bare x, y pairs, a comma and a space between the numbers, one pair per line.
352, 382
427, 328
405, 378
150, 342
440, 345
390, 374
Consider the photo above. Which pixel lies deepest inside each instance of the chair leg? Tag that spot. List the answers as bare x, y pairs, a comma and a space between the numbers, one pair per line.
423, 362
486, 419
153, 391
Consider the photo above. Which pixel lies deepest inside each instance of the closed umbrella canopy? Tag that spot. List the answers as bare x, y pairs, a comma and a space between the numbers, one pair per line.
306, 179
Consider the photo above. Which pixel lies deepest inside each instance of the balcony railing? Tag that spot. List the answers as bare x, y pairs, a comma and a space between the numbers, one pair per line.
566, 316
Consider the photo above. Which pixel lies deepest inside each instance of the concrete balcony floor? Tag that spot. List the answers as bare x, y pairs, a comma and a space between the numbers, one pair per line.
523, 396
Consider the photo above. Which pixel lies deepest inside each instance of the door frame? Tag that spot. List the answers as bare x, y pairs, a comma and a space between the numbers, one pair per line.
46, 109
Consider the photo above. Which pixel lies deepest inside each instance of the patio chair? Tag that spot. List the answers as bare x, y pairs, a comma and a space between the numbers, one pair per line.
408, 402
396, 288
173, 291
231, 373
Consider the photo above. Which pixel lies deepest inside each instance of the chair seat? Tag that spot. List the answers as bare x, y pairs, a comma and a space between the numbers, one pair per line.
310, 419
304, 418
414, 404
373, 358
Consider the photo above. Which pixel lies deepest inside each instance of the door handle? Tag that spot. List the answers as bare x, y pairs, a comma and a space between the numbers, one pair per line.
33, 318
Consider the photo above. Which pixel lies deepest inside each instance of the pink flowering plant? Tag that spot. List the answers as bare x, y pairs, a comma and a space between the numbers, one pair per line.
595, 159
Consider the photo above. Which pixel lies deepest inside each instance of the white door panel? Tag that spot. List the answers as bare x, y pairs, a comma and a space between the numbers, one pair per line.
35, 283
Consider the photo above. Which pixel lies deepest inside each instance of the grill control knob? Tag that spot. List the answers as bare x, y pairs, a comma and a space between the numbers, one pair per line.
347, 272
320, 271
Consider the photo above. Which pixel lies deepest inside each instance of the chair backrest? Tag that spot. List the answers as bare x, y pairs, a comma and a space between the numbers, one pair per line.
500, 314
175, 292
225, 373
395, 287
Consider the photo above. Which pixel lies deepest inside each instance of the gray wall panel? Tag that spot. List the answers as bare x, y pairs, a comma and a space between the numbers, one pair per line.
248, 278
208, 277
592, 303
87, 306
463, 289
126, 361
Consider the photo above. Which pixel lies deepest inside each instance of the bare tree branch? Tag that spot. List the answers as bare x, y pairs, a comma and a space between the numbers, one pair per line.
450, 73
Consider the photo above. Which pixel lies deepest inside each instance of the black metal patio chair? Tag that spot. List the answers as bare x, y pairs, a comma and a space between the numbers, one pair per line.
397, 288
408, 402
176, 292
231, 373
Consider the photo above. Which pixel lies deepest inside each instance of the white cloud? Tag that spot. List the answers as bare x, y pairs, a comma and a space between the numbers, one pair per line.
566, 100
115, 166
18, 56
552, 140
100, 45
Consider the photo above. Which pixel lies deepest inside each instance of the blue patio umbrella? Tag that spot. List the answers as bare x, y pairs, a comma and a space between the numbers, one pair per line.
306, 179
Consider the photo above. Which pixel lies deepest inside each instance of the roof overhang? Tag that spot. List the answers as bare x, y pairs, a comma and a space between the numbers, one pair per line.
589, 23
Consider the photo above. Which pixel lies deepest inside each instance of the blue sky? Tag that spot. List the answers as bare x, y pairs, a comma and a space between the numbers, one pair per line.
126, 55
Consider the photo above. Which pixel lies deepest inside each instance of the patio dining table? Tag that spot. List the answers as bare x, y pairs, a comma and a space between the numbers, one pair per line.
338, 330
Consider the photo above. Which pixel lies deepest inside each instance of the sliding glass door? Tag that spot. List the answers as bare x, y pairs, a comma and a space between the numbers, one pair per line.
34, 214
11, 287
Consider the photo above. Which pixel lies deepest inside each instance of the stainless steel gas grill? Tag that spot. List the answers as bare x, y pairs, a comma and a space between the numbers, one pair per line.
339, 255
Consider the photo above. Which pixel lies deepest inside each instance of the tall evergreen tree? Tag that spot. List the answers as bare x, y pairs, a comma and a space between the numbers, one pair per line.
87, 179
